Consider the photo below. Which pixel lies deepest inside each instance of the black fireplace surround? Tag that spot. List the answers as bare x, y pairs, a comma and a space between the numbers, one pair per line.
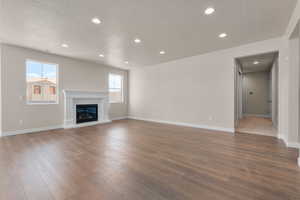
86, 113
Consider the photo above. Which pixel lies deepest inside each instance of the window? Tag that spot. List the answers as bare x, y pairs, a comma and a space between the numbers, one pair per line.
115, 88
41, 82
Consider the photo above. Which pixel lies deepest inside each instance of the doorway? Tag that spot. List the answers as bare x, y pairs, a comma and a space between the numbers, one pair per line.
256, 94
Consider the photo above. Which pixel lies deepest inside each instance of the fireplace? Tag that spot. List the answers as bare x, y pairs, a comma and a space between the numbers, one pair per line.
74, 98
86, 113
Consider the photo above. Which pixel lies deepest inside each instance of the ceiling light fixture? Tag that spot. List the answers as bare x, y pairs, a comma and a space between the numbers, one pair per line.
162, 52
209, 11
255, 62
101, 55
64, 45
126, 62
222, 35
137, 40
96, 20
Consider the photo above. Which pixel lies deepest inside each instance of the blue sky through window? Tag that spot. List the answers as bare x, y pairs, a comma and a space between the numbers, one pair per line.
37, 70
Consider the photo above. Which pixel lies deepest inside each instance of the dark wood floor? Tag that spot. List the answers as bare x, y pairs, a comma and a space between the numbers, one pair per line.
135, 160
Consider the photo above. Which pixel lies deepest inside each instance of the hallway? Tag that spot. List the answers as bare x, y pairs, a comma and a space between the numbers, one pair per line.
257, 125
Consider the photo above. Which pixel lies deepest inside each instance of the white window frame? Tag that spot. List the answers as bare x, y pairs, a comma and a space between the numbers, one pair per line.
57, 84
122, 87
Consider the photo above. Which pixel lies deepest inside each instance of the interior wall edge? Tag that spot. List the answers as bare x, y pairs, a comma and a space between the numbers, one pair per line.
293, 21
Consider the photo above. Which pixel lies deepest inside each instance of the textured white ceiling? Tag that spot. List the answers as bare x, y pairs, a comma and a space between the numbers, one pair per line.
177, 26
265, 62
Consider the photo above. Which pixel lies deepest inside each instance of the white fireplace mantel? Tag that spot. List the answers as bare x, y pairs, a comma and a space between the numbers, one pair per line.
76, 97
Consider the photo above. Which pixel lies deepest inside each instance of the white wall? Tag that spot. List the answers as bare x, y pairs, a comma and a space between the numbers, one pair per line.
299, 89
73, 74
285, 115
294, 90
198, 90
212, 65
299, 92
0, 90
155, 90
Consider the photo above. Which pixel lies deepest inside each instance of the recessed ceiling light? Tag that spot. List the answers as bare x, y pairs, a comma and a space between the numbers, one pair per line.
255, 62
126, 62
162, 52
209, 11
96, 20
137, 40
222, 35
101, 55
65, 45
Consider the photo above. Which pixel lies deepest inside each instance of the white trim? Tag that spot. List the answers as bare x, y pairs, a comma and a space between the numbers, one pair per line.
86, 124
32, 130
119, 118
299, 161
281, 136
122, 86
57, 83
76, 97
256, 133
230, 130
293, 145
289, 144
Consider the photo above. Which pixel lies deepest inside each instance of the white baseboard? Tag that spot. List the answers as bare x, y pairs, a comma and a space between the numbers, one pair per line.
230, 130
119, 118
48, 128
287, 143
293, 145
280, 136
32, 130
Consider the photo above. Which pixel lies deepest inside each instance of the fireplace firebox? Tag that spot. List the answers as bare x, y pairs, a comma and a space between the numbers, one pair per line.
86, 113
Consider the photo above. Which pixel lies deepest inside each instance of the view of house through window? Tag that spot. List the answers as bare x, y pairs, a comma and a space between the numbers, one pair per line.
41, 80
115, 88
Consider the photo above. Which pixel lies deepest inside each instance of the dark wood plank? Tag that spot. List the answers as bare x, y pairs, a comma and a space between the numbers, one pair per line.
131, 159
